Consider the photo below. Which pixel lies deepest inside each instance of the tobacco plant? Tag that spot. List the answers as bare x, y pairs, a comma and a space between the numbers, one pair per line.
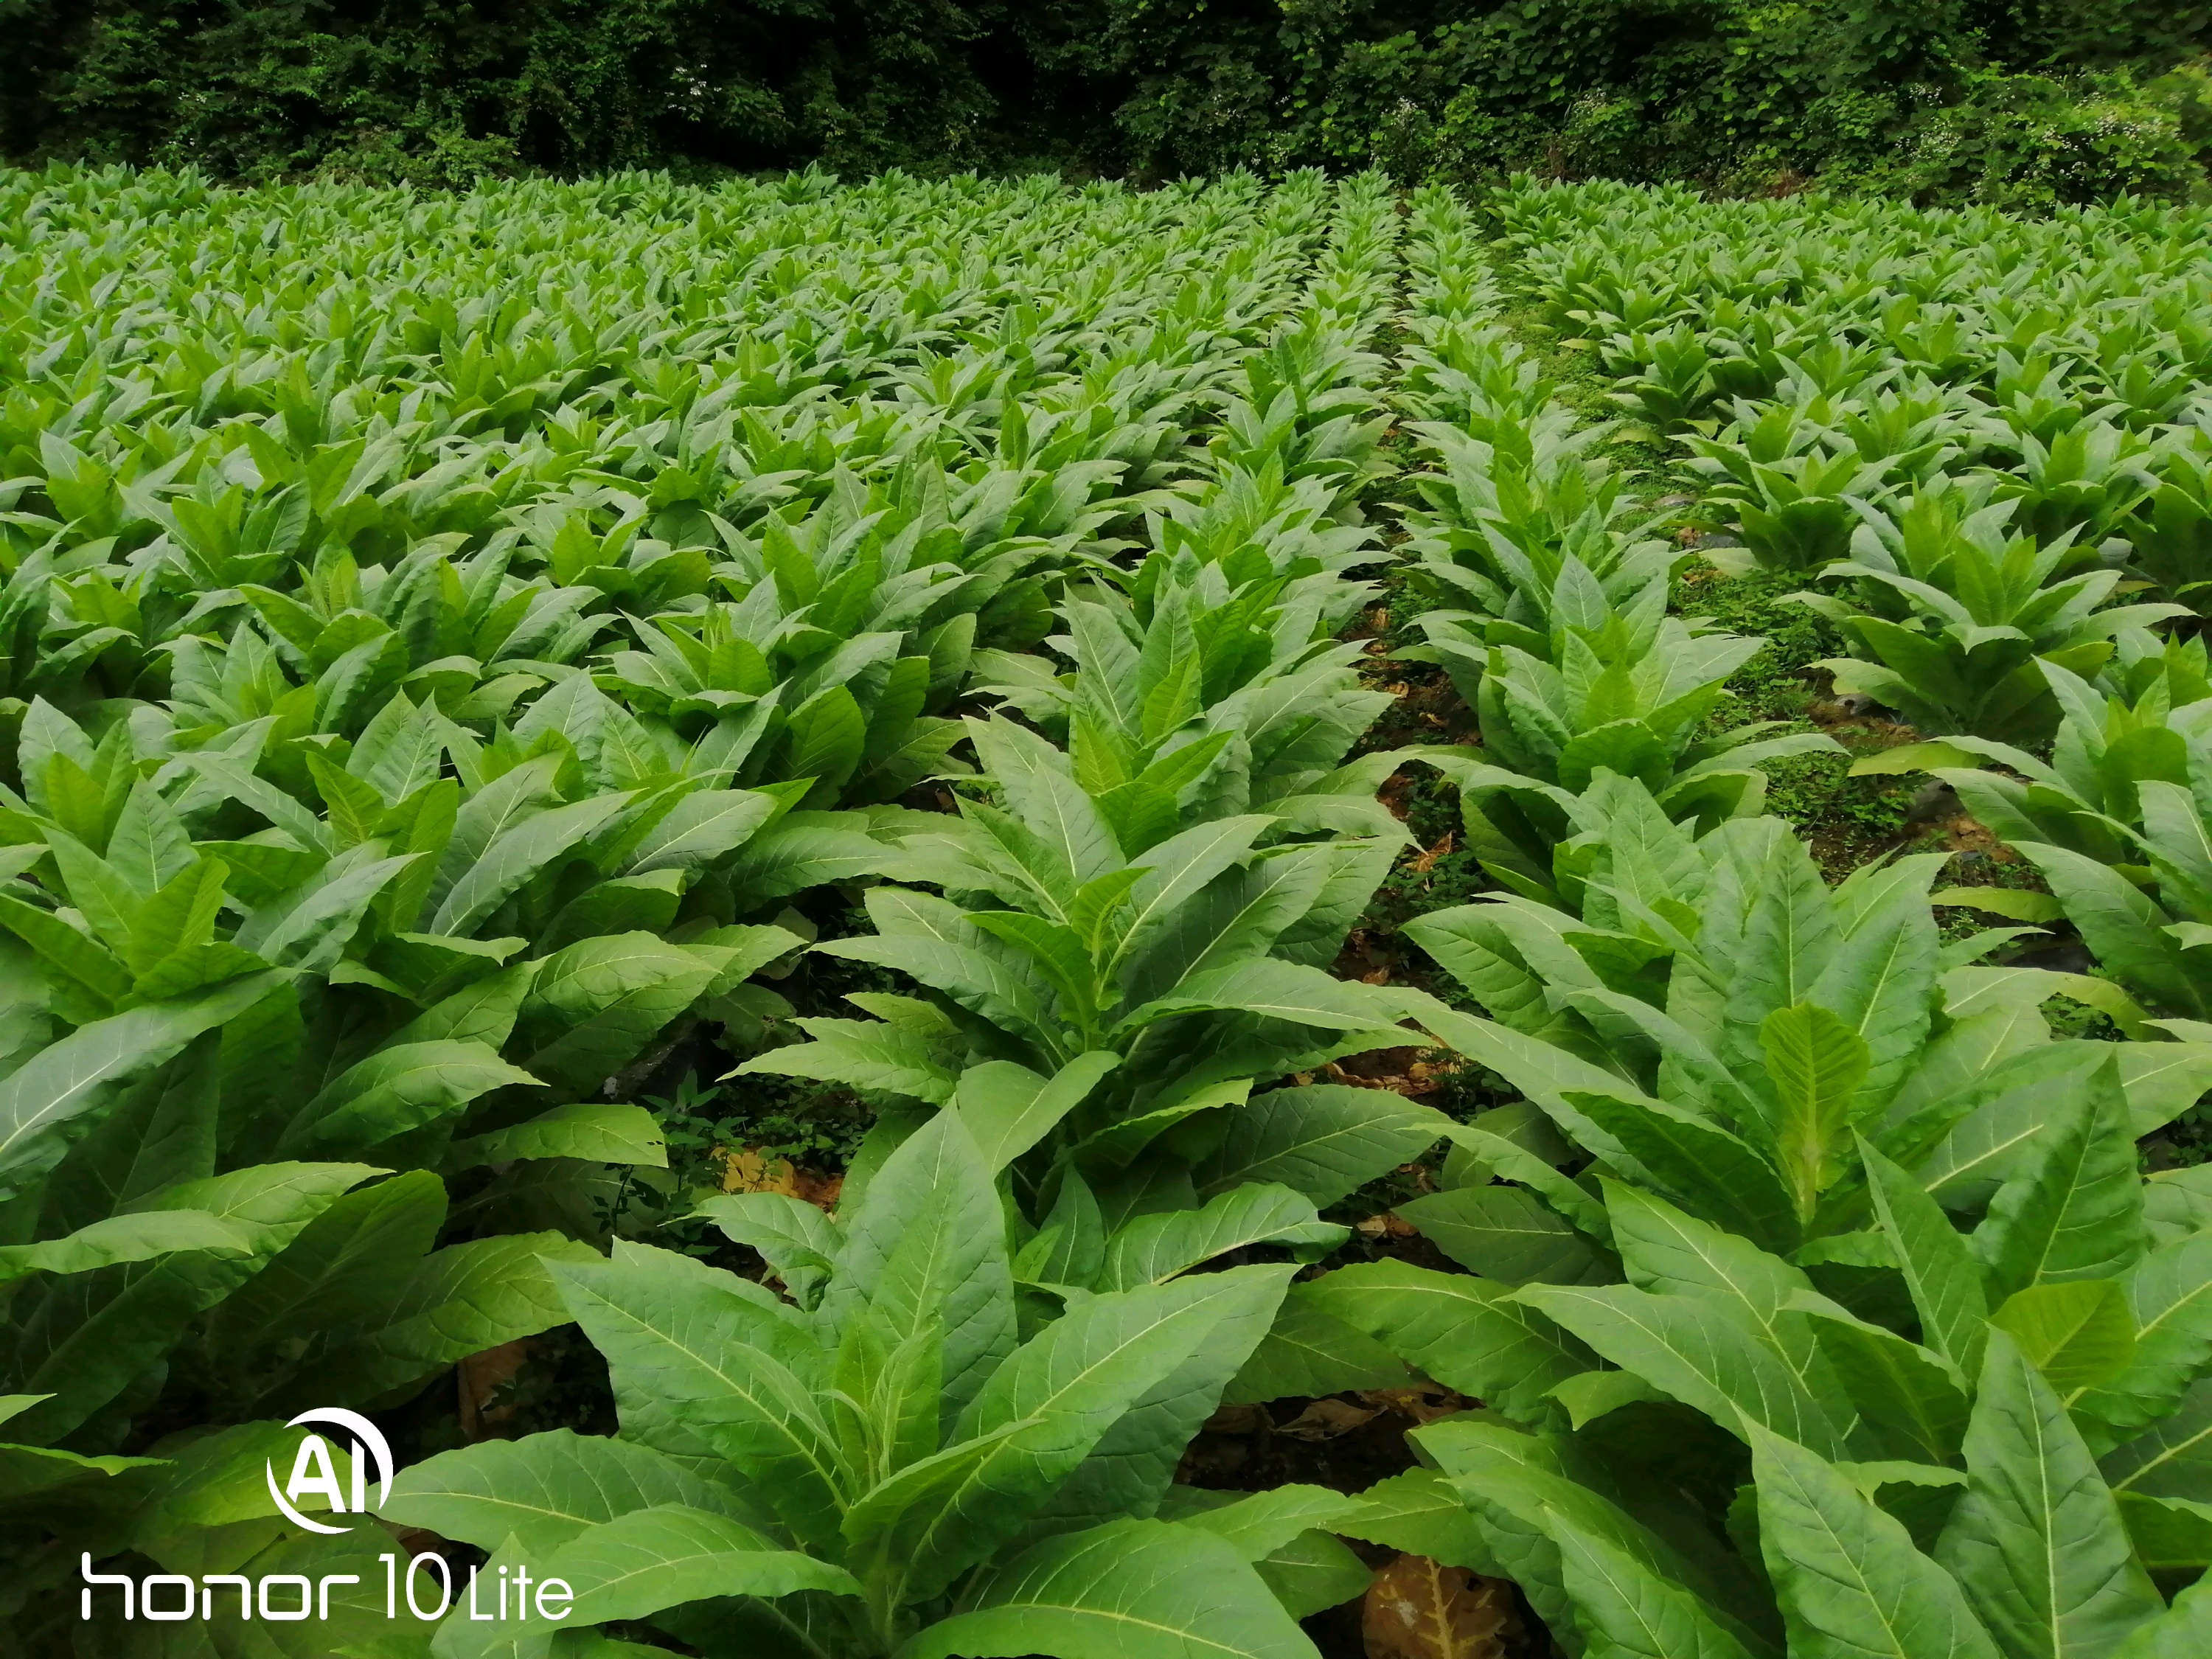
1953, 614
902, 1455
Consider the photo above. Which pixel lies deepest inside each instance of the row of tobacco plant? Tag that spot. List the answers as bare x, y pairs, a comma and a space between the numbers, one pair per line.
449, 640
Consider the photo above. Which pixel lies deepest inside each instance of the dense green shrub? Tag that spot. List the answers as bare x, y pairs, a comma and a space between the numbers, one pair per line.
436, 90
2019, 101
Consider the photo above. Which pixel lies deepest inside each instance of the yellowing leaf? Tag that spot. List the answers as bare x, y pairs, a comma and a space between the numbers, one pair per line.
1418, 1608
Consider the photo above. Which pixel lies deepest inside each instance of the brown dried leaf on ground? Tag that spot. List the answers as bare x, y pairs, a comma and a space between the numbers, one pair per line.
1425, 1403
479, 1378
1393, 793
1417, 1608
820, 1190
1325, 1420
1238, 1420
1385, 1226
1399, 1070
1427, 861
749, 1169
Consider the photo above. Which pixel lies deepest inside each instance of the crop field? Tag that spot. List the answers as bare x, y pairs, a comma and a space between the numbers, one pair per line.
802, 920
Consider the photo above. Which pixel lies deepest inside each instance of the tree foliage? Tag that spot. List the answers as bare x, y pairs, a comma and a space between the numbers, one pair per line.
2032, 100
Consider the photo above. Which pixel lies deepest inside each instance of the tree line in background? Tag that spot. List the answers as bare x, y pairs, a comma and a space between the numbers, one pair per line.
2021, 102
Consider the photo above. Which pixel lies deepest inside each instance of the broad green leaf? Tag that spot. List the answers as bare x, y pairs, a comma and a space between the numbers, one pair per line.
1066, 1388
1912, 757
640, 1563
2161, 1080
2177, 1202
148, 848
1116, 1147
1258, 1523
127, 1239
1057, 953
517, 854
626, 904
1009, 1108
2036, 1543
1313, 1571
593, 1006
42, 1100
1276, 990
1509, 1234
828, 735
2074, 1211
1626, 1611
161, 1132
1588, 1396
925, 1247
1281, 1534
459, 1301
1849, 1581
1309, 1351
544, 1489
2017, 904
1466, 1333
1133, 1467
587, 1129
1175, 871
482, 1011
1921, 1495
1938, 1265
798, 1241
213, 1505
65, 948
1667, 1251
351, 1262
802, 850
1131, 1589
1543, 1072
348, 1566
309, 927
1883, 975
2184, 1630
46, 1474
2170, 1535
1421, 1513
2117, 922
2169, 1293
1814, 1064
1243, 912
699, 829
1519, 1485
1672, 1253
1906, 1397
1153, 1249
178, 920
1701, 1353
2173, 1457
933, 942
868, 1053
1324, 1140
1714, 1175
710, 1373
95, 1333
2077, 1333
397, 1090
1788, 934
1477, 1149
